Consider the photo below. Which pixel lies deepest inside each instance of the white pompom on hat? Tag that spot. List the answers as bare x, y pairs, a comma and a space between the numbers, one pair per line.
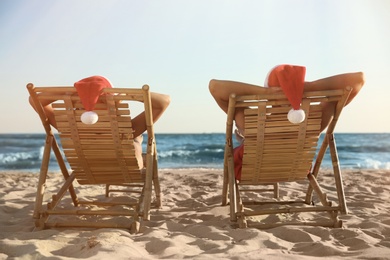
291, 79
89, 90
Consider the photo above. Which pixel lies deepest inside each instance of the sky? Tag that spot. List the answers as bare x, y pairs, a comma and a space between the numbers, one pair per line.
177, 46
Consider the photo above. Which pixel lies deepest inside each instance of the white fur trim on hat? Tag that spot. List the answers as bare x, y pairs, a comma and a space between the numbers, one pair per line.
296, 116
89, 117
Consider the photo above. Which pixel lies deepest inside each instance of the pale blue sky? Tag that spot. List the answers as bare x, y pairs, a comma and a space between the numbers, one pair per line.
177, 46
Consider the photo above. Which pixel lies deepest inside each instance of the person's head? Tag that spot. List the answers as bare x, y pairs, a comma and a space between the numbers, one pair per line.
291, 79
89, 90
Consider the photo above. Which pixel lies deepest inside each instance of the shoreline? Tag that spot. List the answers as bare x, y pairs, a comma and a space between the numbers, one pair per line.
193, 224
324, 169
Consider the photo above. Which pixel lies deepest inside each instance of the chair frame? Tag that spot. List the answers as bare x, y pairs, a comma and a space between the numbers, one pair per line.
260, 105
140, 181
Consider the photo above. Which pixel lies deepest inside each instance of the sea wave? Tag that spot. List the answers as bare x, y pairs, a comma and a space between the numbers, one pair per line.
21, 160
355, 151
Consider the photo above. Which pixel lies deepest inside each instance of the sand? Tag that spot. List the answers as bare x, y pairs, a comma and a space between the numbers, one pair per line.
192, 224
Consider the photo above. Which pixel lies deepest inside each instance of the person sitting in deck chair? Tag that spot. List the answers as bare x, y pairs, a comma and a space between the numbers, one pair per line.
291, 80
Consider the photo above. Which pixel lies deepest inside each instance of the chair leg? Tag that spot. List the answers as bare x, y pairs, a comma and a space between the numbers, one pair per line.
324, 201
156, 182
225, 184
337, 174
148, 187
64, 170
107, 190
232, 190
315, 169
42, 177
276, 190
61, 192
316, 187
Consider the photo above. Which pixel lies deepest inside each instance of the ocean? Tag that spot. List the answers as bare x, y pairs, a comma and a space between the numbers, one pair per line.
356, 151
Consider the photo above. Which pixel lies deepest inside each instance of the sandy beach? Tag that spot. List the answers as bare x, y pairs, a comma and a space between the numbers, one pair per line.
192, 224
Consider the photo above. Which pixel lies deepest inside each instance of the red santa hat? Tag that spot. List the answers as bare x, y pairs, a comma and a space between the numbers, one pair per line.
291, 79
89, 90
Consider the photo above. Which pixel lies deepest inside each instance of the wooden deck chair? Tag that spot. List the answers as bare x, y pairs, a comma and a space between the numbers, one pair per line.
277, 151
99, 154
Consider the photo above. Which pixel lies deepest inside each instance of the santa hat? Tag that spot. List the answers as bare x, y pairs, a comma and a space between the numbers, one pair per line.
89, 90
291, 79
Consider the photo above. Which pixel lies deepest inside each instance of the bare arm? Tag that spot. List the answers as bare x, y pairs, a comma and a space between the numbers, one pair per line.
353, 80
222, 89
47, 108
160, 103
